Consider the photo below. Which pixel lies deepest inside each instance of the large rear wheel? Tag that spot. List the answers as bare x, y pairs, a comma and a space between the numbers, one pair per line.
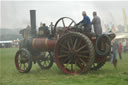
74, 53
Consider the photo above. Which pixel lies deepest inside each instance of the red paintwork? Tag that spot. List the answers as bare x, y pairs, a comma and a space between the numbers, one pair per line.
17, 64
99, 59
43, 44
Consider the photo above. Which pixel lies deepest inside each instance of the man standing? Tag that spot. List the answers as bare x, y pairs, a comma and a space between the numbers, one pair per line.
114, 53
96, 24
120, 50
26, 32
124, 46
85, 22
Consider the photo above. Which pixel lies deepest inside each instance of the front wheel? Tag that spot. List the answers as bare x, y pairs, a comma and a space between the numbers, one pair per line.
23, 61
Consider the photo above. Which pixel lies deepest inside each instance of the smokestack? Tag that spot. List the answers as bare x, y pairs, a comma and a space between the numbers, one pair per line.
33, 22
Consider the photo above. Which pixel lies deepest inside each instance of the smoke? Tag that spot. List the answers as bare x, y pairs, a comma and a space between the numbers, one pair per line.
15, 14
111, 11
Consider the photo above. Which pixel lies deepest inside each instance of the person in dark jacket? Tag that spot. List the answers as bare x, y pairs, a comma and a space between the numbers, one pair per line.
43, 30
85, 22
96, 22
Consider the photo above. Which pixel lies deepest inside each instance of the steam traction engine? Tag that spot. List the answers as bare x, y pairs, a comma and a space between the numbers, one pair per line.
75, 51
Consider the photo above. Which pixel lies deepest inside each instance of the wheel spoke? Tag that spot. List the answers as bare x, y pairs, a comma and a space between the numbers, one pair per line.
107, 45
83, 56
103, 46
82, 60
84, 51
63, 23
68, 46
80, 64
19, 59
61, 56
64, 51
70, 24
66, 59
79, 43
81, 48
74, 46
71, 42
68, 63
63, 46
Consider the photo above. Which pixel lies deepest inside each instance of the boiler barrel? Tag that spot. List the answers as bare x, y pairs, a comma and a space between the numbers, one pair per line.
43, 44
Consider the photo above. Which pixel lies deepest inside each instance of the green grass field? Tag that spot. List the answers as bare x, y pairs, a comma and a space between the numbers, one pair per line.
107, 75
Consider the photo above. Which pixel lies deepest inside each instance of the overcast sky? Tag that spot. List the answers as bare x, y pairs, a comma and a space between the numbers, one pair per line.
15, 14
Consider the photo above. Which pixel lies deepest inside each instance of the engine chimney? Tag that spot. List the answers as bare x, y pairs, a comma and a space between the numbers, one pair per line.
33, 22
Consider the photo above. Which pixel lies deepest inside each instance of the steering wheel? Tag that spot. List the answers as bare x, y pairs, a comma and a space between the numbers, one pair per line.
63, 25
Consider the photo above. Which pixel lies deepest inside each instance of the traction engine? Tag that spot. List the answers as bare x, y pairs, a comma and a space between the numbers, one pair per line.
74, 50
